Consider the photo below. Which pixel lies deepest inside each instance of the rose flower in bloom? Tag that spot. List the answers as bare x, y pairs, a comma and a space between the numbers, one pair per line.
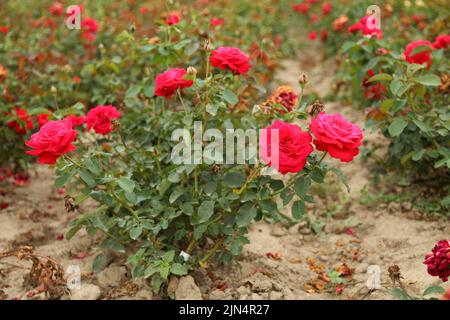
76, 120
174, 18
294, 147
312, 35
230, 58
25, 122
90, 27
303, 8
4, 29
168, 82
53, 140
442, 41
42, 119
215, 22
334, 134
99, 118
326, 8
421, 57
56, 9
363, 26
285, 96
438, 261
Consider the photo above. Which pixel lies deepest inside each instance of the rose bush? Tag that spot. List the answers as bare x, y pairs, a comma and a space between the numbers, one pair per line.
168, 215
398, 73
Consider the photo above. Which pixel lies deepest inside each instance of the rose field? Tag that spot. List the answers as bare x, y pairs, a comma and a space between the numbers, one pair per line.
224, 150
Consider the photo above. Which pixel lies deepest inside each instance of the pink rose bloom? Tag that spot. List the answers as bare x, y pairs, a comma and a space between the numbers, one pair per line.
334, 134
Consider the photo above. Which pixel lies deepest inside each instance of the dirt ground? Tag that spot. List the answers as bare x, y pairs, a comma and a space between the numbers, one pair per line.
279, 263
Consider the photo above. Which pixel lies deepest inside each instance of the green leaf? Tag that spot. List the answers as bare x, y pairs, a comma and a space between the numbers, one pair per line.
399, 294
434, 290
212, 109
72, 231
398, 87
420, 49
100, 262
164, 271
133, 91
179, 269
245, 215
61, 180
126, 184
169, 256
386, 104
429, 80
298, 209
93, 166
397, 127
205, 211
380, 77
234, 179
301, 186
87, 178
230, 97
175, 195
135, 232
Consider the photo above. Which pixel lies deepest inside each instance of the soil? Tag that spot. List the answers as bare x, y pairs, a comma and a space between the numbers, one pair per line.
279, 263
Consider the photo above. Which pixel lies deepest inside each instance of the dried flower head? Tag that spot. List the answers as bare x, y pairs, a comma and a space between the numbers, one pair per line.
69, 204
316, 108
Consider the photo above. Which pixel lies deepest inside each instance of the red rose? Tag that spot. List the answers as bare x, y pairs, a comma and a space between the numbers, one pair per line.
144, 10
424, 56
174, 18
56, 9
370, 74
168, 82
312, 35
230, 58
294, 146
438, 261
326, 8
215, 22
333, 133
4, 29
375, 91
90, 25
42, 119
303, 8
442, 41
53, 140
324, 35
76, 121
99, 118
363, 26
25, 122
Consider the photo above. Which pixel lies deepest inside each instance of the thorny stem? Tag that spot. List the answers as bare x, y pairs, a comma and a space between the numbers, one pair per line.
181, 100
211, 252
68, 158
254, 173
